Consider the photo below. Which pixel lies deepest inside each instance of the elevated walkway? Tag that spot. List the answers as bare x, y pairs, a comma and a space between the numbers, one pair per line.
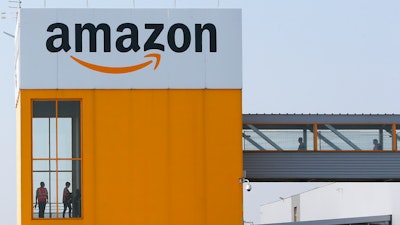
336, 147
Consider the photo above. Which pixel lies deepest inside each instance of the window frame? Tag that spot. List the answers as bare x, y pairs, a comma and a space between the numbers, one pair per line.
75, 156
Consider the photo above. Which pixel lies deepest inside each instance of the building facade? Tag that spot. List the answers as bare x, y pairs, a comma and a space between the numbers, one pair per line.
124, 109
337, 202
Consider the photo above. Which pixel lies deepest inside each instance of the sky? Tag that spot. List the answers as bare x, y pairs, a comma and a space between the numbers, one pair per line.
299, 56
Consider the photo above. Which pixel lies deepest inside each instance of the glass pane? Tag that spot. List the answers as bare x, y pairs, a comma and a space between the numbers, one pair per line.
65, 165
39, 177
69, 129
340, 137
53, 138
65, 177
44, 138
41, 138
44, 165
283, 139
53, 204
44, 109
64, 137
49, 181
69, 109
74, 178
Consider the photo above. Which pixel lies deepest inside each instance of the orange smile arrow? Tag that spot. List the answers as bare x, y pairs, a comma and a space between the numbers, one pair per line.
119, 70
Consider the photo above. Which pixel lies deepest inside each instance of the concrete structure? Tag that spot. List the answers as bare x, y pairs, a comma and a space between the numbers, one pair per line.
344, 201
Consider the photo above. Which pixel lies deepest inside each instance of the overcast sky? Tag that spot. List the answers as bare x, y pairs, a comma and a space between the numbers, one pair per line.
299, 56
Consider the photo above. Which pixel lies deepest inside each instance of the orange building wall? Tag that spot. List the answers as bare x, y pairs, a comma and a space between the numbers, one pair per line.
150, 156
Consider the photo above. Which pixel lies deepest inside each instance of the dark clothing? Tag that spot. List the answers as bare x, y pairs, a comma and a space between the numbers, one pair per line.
378, 146
67, 205
41, 199
302, 146
42, 207
67, 200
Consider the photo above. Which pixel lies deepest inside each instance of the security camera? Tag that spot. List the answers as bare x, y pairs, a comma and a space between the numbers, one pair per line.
248, 187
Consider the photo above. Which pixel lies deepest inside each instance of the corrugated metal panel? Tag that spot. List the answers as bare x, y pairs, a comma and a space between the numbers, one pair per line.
321, 166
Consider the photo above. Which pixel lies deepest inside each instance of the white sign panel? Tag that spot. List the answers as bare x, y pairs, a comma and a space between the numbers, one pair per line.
130, 48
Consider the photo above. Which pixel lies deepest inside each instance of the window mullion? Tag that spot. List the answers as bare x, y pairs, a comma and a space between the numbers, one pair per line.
57, 201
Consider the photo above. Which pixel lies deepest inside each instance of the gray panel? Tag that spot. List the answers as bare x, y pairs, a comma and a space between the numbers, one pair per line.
321, 166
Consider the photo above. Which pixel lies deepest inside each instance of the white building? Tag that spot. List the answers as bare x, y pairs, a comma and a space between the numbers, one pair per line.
338, 203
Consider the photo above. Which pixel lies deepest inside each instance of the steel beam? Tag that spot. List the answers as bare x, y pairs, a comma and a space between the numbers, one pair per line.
261, 134
326, 140
248, 138
390, 132
341, 136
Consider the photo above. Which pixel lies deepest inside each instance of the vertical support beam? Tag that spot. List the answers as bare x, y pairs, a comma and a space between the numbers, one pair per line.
381, 137
315, 130
394, 138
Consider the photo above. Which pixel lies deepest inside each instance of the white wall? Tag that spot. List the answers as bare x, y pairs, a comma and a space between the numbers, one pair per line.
339, 200
43, 68
277, 212
344, 200
395, 203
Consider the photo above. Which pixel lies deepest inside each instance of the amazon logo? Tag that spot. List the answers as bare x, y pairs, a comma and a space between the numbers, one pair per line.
128, 42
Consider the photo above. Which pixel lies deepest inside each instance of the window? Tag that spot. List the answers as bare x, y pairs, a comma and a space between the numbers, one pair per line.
56, 154
355, 137
277, 139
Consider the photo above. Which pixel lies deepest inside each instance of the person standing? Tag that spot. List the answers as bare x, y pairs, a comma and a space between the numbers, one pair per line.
42, 197
67, 199
302, 145
377, 145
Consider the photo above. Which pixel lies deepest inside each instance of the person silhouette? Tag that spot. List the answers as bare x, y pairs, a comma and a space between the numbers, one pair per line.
302, 145
67, 199
42, 197
377, 145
